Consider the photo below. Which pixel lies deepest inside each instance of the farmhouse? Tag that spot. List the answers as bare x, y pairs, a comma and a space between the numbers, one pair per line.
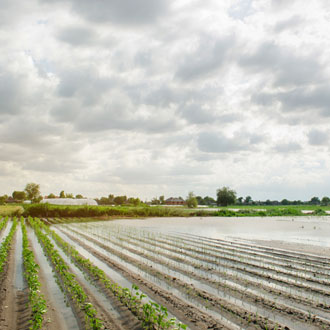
175, 201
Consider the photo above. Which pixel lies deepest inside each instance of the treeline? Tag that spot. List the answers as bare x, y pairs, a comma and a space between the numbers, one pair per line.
118, 200
58, 211
206, 200
325, 201
224, 197
85, 211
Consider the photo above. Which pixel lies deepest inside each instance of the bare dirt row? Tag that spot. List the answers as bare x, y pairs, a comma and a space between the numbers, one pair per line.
207, 297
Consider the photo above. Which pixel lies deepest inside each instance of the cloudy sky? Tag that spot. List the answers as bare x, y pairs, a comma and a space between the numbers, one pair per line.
153, 97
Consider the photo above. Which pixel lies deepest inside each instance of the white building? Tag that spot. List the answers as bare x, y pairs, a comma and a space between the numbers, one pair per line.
69, 201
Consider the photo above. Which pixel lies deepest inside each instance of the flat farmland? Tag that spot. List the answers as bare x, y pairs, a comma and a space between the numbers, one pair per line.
169, 273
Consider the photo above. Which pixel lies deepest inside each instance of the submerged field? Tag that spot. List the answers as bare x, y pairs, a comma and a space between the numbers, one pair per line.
205, 273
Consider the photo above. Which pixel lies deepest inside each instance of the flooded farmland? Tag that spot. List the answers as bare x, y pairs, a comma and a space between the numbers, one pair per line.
189, 273
308, 229
222, 266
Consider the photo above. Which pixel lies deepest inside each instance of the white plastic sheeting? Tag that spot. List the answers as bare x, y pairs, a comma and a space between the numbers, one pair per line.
69, 201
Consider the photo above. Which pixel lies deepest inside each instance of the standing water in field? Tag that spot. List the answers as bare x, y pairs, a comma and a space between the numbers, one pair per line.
19, 269
65, 313
309, 230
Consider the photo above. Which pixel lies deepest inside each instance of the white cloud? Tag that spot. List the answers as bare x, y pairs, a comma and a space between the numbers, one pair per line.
164, 97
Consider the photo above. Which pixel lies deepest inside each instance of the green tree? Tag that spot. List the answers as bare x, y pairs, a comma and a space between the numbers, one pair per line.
119, 200
200, 200
226, 196
111, 198
3, 199
33, 192
103, 201
162, 199
209, 200
325, 201
248, 200
79, 196
134, 201
51, 195
191, 200
240, 200
19, 195
62, 194
315, 201
155, 201
69, 195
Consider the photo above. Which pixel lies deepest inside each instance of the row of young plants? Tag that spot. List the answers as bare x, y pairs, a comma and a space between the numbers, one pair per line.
3, 223
151, 314
36, 299
308, 265
266, 288
228, 312
180, 303
6, 244
290, 256
253, 297
302, 307
265, 272
67, 279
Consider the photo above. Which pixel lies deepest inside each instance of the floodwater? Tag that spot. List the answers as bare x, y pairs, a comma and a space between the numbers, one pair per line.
309, 230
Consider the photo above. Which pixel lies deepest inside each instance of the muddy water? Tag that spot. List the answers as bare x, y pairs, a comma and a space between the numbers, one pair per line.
82, 278
19, 282
231, 299
5, 231
305, 229
66, 316
115, 276
156, 252
185, 297
259, 310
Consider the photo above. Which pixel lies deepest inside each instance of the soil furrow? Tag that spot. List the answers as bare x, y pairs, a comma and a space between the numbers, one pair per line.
249, 298
189, 314
227, 308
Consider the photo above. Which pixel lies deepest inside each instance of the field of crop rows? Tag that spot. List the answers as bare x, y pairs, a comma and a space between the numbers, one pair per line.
112, 276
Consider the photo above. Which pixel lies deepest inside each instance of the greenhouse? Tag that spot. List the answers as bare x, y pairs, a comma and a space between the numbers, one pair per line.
69, 201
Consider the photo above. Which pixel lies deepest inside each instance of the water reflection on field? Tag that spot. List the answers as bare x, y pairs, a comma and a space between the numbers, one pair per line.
307, 230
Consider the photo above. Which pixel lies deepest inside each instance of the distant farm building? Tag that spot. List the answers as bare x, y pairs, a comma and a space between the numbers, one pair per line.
69, 201
175, 201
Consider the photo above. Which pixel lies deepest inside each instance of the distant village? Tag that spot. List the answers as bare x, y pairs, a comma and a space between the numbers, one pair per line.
225, 196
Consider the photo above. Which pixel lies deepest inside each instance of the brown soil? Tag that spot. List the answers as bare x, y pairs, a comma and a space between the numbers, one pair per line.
256, 271
53, 319
214, 301
224, 275
249, 297
14, 310
190, 315
109, 320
